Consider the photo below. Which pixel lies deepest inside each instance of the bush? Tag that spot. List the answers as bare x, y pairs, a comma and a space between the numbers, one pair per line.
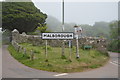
36, 51
48, 47
74, 48
113, 46
63, 57
26, 56
32, 33
95, 66
6, 37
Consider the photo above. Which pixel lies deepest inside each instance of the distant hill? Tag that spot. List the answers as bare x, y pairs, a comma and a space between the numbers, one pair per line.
53, 24
98, 29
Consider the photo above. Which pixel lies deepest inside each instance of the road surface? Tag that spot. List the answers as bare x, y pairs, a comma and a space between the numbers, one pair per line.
0, 61
13, 69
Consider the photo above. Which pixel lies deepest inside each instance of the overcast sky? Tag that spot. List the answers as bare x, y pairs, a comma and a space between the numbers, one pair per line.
81, 12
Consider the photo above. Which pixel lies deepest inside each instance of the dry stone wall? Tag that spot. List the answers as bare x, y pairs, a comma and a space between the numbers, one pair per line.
96, 43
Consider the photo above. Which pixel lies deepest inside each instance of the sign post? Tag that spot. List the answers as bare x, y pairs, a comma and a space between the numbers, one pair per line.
77, 47
78, 31
56, 36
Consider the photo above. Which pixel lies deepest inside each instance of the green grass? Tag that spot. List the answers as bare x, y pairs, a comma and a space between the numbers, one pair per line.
89, 59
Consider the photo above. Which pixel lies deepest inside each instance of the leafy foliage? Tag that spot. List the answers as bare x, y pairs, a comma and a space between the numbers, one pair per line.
99, 29
114, 30
23, 16
41, 28
114, 42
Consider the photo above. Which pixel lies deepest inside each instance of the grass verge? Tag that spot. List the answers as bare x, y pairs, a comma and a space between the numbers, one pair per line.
89, 59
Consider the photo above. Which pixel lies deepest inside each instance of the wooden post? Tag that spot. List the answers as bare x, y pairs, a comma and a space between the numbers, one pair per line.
77, 47
18, 48
32, 55
46, 50
63, 48
24, 52
70, 51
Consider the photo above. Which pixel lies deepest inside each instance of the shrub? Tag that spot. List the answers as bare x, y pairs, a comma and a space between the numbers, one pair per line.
48, 47
63, 57
74, 48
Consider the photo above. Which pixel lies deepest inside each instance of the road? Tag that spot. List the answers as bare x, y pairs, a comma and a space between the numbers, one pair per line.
13, 69
0, 62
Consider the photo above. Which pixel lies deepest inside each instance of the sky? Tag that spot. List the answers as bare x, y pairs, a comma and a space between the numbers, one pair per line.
80, 12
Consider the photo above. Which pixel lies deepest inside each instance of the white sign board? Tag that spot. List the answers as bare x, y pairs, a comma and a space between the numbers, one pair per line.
78, 30
57, 35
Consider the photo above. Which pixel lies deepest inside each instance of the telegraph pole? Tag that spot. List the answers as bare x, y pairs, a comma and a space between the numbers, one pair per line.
63, 44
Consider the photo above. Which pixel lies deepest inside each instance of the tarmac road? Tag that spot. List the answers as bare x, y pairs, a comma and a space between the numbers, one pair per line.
11, 68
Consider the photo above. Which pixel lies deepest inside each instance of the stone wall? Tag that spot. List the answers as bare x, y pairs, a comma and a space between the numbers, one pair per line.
96, 43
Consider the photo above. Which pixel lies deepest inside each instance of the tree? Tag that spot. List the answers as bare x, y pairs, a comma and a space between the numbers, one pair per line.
23, 16
114, 30
113, 46
41, 28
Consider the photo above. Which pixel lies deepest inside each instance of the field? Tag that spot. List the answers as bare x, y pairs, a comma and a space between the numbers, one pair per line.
89, 59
